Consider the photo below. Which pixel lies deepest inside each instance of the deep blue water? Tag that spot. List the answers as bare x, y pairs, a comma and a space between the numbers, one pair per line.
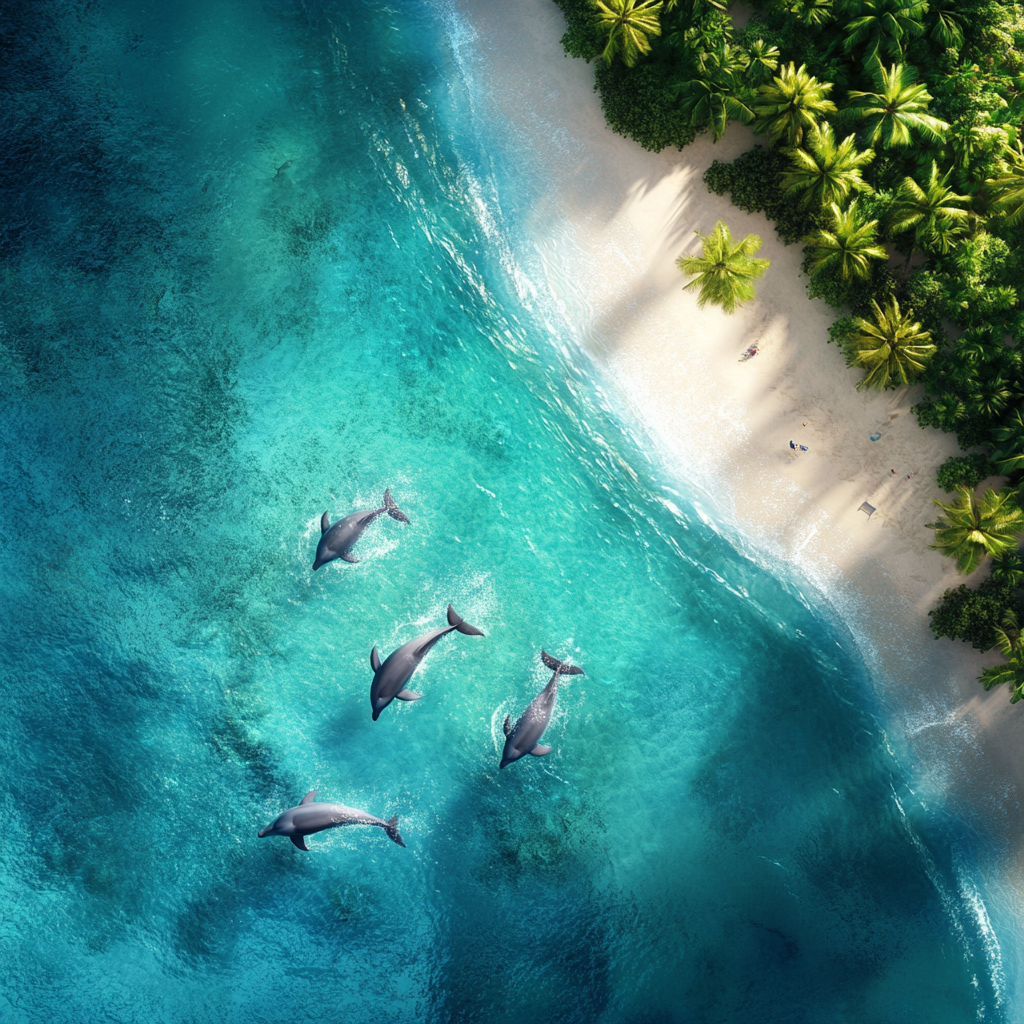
259, 262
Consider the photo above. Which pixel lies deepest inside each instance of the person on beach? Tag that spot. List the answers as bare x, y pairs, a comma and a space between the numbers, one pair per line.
798, 447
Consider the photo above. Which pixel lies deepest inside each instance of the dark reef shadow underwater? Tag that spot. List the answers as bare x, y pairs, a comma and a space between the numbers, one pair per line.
258, 261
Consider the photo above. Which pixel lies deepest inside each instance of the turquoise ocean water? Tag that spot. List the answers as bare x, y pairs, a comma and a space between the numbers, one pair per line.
262, 259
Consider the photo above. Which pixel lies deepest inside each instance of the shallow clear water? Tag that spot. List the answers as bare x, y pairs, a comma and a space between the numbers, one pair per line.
259, 262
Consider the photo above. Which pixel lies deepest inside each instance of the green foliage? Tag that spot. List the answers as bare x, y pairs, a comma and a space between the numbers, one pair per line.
754, 181
928, 298
1009, 455
841, 331
718, 92
639, 104
883, 27
846, 247
1007, 187
972, 528
892, 347
857, 293
964, 471
972, 615
826, 172
581, 38
933, 211
791, 106
975, 383
725, 271
627, 27
896, 112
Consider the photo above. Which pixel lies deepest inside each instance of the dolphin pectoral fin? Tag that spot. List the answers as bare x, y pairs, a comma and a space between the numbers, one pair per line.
308, 798
408, 695
347, 556
540, 751
325, 523
508, 725
374, 659
300, 842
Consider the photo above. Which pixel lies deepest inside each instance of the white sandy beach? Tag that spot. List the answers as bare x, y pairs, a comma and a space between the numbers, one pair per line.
609, 229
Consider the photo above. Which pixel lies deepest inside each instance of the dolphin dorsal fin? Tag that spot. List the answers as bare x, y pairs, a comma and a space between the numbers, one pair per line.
325, 523
508, 725
374, 659
308, 798
300, 842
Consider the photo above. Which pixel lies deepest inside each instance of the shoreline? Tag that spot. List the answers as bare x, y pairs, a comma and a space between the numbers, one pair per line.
608, 231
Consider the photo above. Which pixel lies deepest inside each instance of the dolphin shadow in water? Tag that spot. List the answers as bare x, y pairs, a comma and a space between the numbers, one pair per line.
521, 739
390, 677
298, 822
338, 540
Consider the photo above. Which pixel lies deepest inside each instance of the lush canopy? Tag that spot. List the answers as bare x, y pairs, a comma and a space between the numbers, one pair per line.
889, 128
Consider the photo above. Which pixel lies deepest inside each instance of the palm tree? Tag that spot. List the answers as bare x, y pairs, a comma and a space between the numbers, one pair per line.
812, 13
1007, 188
935, 213
718, 95
948, 28
1010, 454
827, 173
973, 529
629, 24
940, 236
763, 61
1008, 640
725, 272
847, 248
712, 104
885, 26
897, 112
791, 105
991, 398
972, 143
894, 349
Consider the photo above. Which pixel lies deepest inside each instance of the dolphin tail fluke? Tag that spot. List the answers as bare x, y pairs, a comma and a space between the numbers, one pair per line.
300, 842
561, 667
391, 827
392, 509
461, 625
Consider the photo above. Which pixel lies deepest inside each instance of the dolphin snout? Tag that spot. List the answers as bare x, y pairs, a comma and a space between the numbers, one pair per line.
262, 832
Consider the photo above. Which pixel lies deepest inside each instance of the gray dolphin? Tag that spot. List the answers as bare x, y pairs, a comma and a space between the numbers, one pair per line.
298, 822
521, 739
338, 540
389, 678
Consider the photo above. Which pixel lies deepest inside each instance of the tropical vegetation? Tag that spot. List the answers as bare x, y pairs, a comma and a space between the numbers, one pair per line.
725, 271
891, 146
891, 346
975, 527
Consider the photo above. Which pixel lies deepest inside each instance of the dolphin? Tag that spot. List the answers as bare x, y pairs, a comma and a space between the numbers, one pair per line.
338, 540
389, 678
521, 739
298, 822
